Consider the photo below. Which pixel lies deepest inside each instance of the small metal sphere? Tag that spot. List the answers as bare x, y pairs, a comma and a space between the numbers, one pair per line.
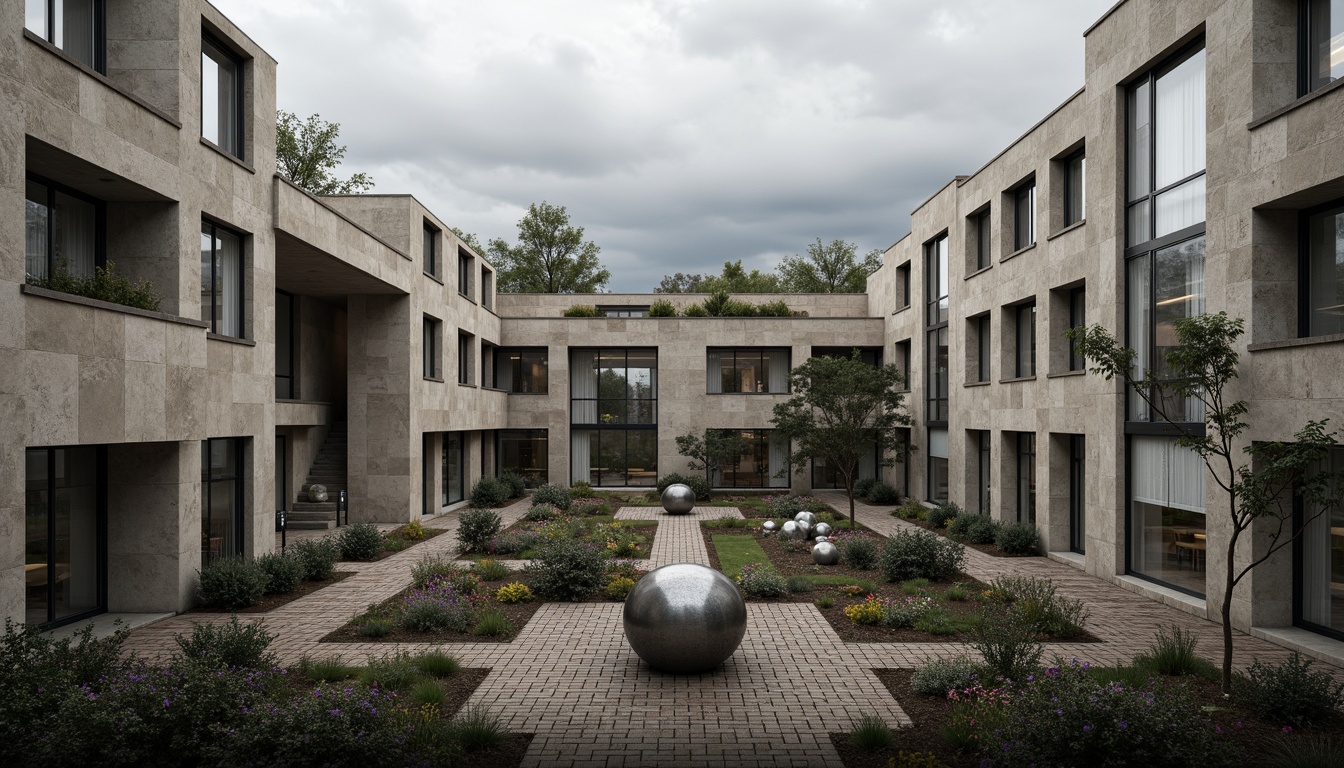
768, 526
825, 553
823, 529
684, 618
317, 492
806, 517
790, 530
805, 527
678, 499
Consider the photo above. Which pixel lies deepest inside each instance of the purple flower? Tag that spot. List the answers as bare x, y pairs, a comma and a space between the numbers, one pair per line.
1287, 729
1087, 729
334, 712
165, 703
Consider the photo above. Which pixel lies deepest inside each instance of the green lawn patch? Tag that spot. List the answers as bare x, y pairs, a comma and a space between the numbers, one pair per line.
737, 551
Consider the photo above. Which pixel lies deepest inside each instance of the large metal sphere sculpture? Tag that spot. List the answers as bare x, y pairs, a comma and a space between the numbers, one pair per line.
317, 492
825, 553
678, 499
806, 529
684, 619
790, 530
822, 529
768, 526
806, 517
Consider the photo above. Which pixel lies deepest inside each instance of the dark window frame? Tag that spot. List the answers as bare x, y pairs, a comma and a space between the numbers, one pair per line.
215, 298
99, 31
984, 469
1304, 277
238, 98
1306, 60
445, 482
431, 348
937, 314
1019, 312
99, 220
465, 267
100, 513
465, 347
903, 284
1026, 497
759, 442
1071, 216
984, 348
507, 435
902, 350
1078, 494
1077, 319
984, 232
430, 245
506, 355
1024, 205
626, 423
240, 501
761, 353
291, 378
623, 311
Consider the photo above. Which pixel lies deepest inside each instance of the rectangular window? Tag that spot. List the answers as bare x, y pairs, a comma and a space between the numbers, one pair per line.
1323, 274
1075, 178
983, 354
431, 348
465, 265
525, 451
430, 247
488, 289
284, 346
1077, 494
761, 462
62, 231
1024, 216
77, 27
1025, 352
466, 352
825, 474
983, 235
903, 363
1320, 563
1166, 521
221, 97
1165, 151
935, 321
983, 469
1026, 477
1165, 285
1322, 36
222, 279
65, 569
1077, 319
938, 478
613, 410
221, 499
522, 371
630, 311
747, 371
454, 469
903, 286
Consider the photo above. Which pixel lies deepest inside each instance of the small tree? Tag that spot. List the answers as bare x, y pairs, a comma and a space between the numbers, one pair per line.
832, 267
470, 239
710, 452
841, 409
1202, 365
306, 152
551, 255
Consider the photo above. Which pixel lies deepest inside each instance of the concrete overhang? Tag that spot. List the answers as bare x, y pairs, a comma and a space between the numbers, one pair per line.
62, 167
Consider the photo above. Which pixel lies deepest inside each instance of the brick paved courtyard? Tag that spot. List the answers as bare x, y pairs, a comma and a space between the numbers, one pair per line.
570, 678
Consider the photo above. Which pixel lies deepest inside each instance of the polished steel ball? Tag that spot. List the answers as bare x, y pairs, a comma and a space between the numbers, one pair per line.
823, 529
684, 619
790, 530
806, 517
768, 526
825, 553
805, 527
678, 499
317, 492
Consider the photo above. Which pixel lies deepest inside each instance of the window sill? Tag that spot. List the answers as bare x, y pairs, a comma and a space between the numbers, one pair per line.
494, 389
434, 277
980, 271
100, 77
1017, 253
294, 401
970, 384
70, 298
1306, 341
230, 339
751, 394
434, 379
525, 394
1016, 380
1076, 225
467, 297
1065, 374
467, 384
241, 163
1292, 105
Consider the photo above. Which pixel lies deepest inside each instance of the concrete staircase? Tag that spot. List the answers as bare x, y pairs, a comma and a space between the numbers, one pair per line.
329, 469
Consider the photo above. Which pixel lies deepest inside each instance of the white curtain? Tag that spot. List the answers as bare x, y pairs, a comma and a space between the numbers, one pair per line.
35, 231
1180, 122
583, 386
779, 460
504, 370
230, 255
938, 443
1317, 572
1139, 307
1180, 207
580, 455
713, 376
1165, 474
779, 370
75, 234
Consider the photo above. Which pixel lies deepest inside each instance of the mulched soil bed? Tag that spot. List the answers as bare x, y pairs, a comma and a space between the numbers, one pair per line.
930, 715
271, 602
458, 689
988, 549
646, 528
429, 534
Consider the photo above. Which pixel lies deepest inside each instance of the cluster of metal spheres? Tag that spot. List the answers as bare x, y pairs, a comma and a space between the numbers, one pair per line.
804, 527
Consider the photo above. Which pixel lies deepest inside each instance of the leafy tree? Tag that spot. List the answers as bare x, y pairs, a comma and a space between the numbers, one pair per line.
680, 283
828, 268
1260, 487
734, 279
306, 153
710, 452
551, 255
470, 240
840, 410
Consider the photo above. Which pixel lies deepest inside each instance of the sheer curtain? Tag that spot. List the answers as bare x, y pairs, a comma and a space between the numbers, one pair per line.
1139, 308
583, 386
35, 224
779, 460
230, 255
1317, 558
779, 370
713, 374
580, 455
1165, 474
1180, 128
75, 235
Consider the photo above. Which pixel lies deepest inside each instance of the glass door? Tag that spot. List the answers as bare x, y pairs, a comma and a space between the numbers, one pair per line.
66, 535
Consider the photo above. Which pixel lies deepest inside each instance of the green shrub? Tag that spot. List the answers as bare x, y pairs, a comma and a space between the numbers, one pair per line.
960, 524
428, 692
318, 556
1289, 692
475, 529
956, 594
232, 582
862, 486
438, 607
492, 623
327, 670
517, 485
776, 308
910, 510
1007, 641
235, 644
284, 572
871, 734
982, 531
476, 728
568, 569
376, 627
662, 308
582, 490
540, 513
557, 496
491, 570
858, 552
883, 492
431, 568
1018, 539
762, 580
915, 586
938, 676
1174, 655
1037, 600
490, 492
107, 284
698, 485
618, 587
940, 515
361, 542
397, 671
580, 310
798, 584
920, 554
437, 664
1304, 751
825, 602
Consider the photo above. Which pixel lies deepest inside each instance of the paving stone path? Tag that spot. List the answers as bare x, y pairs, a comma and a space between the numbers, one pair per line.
570, 678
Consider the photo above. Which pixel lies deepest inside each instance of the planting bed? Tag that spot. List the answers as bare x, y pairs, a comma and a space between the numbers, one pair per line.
988, 549
271, 602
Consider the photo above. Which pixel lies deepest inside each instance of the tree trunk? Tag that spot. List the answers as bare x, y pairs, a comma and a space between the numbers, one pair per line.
1228, 585
849, 490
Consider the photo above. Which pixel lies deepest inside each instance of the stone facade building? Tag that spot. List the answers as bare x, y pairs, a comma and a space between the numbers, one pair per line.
354, 340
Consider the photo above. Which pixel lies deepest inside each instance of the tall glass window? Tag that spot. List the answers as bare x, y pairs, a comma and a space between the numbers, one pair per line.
983, 469
222, 498
1320, 564
525, 451
1024, 216
62, 230
465, 265
65, 525
1077, 319
613, 413
466, 346
983, 234
1026, 477
902, 361
747, 371
938, 476
430, 348
1166, 525
77, 27
1077, 494
1323, 274
430, 247
221, 97
284, 346
761, 462
936, 314
222, 279
825, 474
1322, 56
1026, 341
983, 348
454, 468
1075, 179
522, 371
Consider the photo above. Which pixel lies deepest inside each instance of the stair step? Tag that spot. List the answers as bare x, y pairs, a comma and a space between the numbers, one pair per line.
310, 525
313, 506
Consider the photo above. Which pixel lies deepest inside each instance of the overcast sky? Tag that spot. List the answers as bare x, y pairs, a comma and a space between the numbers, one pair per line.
678, 133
